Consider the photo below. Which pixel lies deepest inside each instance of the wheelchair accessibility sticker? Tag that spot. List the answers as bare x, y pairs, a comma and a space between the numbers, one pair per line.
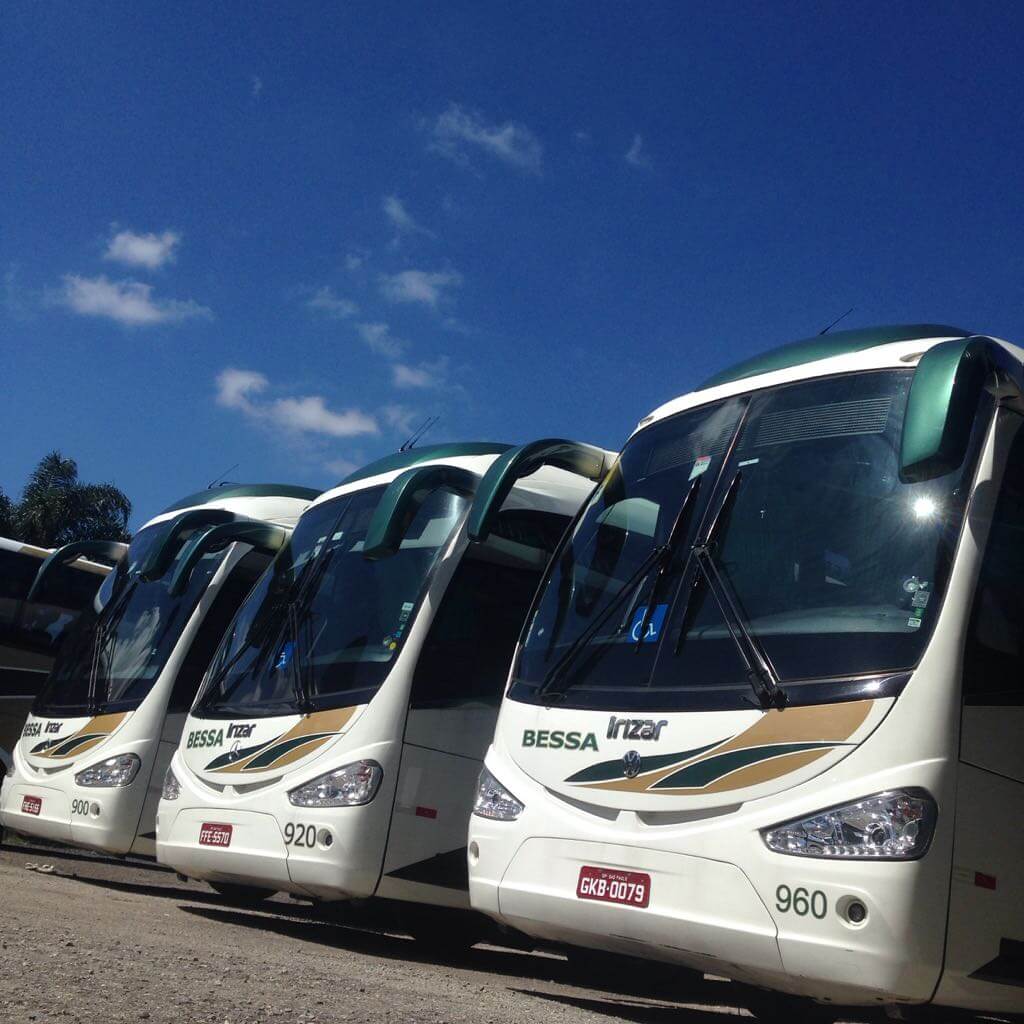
653, 630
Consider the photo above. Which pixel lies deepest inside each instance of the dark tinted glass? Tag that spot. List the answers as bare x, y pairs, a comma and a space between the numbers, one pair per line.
994, 655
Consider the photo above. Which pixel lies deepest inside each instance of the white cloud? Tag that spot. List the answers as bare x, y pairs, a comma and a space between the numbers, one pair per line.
325, 301
354, 260
636, 155
128, 302
307, 414
426, 375
257, 86
457, 130
378, 338
423, 286
582, 136
341, 467
149, 250
401, 417
401, 219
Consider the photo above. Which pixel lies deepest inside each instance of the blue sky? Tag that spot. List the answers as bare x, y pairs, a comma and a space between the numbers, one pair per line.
283, 236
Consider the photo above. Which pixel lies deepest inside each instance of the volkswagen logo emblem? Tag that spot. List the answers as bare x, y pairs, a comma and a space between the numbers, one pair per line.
631, 764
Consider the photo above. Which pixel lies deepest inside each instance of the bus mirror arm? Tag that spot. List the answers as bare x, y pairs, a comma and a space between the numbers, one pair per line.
582, 459
265, 537
404, 497
165, 547
109, 550
948, 382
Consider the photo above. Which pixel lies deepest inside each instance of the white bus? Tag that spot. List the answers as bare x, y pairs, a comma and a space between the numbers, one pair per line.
32, 630
334, 748
765, 717
89, 764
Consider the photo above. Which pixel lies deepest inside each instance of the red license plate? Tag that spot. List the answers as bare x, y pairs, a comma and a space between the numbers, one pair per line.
31, 804
212, 834
609, 885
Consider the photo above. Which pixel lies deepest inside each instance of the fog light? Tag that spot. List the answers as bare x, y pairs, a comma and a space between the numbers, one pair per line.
857, 912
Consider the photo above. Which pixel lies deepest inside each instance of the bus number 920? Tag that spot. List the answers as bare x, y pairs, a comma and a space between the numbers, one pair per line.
300, 835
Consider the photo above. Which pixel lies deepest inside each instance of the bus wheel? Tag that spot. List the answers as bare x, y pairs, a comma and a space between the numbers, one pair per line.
446, 932
779, 1008
603, 969
241, 895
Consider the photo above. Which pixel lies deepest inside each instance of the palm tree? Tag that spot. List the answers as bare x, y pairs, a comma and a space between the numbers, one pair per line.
56, 508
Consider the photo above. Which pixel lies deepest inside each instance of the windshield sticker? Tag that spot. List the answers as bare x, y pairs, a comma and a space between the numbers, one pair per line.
653, 627
700, 466
920, 599
284, 657
747, 462
914, 623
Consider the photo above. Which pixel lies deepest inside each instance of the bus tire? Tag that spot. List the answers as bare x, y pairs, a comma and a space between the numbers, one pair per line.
241, 895
446, 932
780, 1008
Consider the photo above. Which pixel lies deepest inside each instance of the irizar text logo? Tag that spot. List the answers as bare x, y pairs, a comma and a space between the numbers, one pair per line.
635, 728
556, 739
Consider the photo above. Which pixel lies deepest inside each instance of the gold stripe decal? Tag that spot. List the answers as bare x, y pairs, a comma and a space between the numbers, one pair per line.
92, 734
302, 739
780, 743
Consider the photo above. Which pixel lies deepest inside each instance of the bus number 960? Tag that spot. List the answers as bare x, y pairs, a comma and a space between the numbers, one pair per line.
801, 902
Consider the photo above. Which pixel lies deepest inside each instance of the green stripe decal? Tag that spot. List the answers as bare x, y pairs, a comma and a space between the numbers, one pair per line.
611, 771
234, 755
696, 776
268, 757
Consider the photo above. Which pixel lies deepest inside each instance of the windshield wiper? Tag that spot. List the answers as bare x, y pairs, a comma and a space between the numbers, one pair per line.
668, 552
640, 573
763, 678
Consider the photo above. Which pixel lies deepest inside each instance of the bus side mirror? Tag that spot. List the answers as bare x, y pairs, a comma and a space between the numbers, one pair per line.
165, 547
943, 401
404, 498
265, 537
109, 550
582, 459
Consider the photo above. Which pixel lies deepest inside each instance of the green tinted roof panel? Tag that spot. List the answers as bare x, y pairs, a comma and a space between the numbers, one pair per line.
823, 346
414, 456
214, 494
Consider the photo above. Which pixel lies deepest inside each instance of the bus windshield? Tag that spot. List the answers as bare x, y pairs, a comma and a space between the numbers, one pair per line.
324, 624
836, 567
120, 644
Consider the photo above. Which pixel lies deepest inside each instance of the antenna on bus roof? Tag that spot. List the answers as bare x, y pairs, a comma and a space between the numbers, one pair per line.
834, 322
428, 424
217, 479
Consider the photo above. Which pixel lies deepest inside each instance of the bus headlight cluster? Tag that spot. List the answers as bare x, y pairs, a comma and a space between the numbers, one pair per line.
172, 787
354, 784
896, 825
114, 771
493, 800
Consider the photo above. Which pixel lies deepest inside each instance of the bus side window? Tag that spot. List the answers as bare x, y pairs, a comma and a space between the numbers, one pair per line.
468, 651
212, 629
994, 655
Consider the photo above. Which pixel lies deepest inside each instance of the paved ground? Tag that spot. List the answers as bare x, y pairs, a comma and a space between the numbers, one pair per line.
104, 941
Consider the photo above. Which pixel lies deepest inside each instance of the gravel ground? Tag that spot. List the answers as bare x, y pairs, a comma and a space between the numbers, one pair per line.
101, 940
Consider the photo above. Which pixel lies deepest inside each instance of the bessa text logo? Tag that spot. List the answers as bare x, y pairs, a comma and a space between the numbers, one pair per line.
205, 738
556, 739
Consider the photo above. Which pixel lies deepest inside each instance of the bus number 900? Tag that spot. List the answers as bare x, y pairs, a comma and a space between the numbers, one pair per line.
801, 902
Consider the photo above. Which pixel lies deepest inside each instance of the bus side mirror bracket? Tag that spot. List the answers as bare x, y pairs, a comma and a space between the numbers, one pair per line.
110, 550
582, 459
165, 548
943, 400
265, 537
404, 498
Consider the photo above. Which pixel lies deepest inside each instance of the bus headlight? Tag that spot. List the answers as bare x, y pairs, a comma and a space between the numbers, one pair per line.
494, 801
897, 825
172, 787
354, 784
114, 771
